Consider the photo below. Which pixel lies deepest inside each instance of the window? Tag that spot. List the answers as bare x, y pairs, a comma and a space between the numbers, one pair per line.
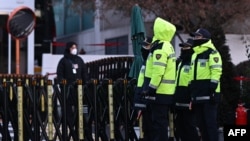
117, 45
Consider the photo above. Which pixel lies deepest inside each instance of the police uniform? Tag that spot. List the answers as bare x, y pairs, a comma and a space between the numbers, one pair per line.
206, 71
160, 78
140, 103
185, 125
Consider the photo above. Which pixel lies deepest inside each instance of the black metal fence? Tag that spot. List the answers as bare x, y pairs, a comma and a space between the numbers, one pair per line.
112, 67
36, 108
40, 110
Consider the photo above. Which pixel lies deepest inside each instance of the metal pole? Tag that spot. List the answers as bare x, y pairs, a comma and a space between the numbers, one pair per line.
17, 56
9, 54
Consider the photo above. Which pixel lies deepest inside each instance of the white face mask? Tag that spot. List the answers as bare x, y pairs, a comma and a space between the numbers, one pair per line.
74, 51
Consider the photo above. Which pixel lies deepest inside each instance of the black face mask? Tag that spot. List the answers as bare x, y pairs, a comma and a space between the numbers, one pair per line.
198, 42
144, 53
186, 54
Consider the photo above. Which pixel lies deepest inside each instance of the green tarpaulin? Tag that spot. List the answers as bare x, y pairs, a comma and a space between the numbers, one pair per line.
138, 35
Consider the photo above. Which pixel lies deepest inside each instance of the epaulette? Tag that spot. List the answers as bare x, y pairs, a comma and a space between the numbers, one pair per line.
214, 51
155, 45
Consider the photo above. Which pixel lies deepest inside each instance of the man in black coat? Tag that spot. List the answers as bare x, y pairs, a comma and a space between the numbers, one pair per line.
71, 68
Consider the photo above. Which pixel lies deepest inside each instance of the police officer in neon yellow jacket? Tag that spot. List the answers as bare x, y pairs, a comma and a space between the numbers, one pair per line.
159, 84
185, 127
139, 102
206, 71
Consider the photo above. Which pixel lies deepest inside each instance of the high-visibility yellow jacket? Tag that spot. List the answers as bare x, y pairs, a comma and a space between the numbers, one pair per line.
160, 69
206, 71
182, 94
139, 103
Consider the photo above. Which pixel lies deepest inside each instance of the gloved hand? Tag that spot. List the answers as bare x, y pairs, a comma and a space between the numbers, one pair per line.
139, 102
149, 93
212, 97
213, 87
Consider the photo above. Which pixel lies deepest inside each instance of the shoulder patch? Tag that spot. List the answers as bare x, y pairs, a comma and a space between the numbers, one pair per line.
216, 59
158, 56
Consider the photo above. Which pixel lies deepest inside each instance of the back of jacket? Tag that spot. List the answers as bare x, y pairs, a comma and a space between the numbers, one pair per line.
161, 63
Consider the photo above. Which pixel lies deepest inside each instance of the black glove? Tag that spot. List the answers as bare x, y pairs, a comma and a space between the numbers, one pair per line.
213, 87
139, 103
144, 54
149, 93
212, 97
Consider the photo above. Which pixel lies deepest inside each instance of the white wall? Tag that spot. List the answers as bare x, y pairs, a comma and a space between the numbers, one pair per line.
50, 62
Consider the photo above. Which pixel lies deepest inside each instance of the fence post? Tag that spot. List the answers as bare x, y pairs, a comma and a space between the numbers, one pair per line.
20, 109
111, 110
50, 110
64, 114
5, 112
35, 103
95, 106
80, 110
125, 82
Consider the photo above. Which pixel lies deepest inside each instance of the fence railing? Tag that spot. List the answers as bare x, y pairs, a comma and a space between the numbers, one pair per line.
112, 67
37, 109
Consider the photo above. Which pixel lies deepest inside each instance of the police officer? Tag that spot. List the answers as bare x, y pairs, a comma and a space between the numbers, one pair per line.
159, 85
139, 102
206, 71
185, 125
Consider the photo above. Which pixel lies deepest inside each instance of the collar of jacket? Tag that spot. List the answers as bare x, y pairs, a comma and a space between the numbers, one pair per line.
204, 47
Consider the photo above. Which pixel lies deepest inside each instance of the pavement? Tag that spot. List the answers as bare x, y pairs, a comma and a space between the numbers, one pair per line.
220, 130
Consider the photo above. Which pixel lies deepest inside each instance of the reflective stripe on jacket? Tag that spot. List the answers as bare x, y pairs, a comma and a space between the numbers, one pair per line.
206, 67
161, 63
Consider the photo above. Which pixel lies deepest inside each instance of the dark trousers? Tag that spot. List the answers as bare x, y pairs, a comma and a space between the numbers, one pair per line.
147, 124
206, 115
159, 116
185, 125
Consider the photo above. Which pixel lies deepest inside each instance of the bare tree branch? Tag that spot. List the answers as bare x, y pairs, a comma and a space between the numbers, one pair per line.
188, 13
